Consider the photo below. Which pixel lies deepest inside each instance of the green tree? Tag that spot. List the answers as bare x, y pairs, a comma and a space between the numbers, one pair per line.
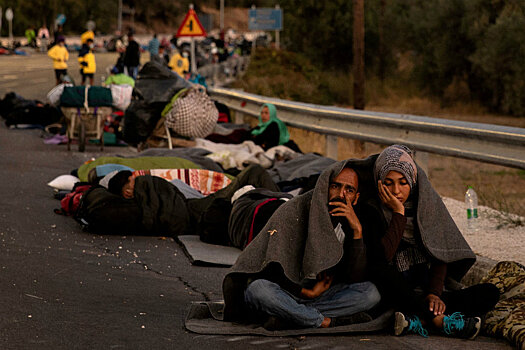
500, 61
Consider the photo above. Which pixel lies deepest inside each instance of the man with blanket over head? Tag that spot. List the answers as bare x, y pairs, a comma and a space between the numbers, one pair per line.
307, 267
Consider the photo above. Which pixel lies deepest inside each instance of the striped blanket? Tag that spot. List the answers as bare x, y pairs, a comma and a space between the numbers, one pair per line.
204, 181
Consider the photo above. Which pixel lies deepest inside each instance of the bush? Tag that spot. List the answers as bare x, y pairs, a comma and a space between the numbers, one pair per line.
499, 59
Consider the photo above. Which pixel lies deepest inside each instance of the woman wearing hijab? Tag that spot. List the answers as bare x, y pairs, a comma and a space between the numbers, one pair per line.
270, 131
418, 247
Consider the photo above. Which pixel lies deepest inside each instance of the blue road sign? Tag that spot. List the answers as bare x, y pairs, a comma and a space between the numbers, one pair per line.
265, 19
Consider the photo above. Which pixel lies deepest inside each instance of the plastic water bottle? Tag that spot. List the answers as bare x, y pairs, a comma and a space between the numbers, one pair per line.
471, 202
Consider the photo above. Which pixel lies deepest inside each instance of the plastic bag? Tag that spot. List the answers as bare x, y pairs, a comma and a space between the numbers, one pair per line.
140, 119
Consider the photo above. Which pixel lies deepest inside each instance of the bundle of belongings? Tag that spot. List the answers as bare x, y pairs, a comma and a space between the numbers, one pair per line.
507, 320
156, 85
86, 96
67, 95
21, 113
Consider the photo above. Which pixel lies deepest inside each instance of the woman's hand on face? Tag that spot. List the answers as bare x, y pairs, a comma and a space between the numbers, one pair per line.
389, 199
435, 304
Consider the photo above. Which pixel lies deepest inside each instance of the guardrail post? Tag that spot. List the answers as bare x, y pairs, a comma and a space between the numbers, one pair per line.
331, 146
422, 160
239, 117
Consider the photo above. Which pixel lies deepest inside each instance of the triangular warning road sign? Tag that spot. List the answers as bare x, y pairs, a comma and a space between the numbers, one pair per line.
191, 26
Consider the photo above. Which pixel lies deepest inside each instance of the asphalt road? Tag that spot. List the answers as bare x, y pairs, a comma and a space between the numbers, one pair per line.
62, 288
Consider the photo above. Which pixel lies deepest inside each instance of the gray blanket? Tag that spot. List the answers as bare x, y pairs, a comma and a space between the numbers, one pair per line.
194, 154
299, 238
439, 233
207, 318
302, 166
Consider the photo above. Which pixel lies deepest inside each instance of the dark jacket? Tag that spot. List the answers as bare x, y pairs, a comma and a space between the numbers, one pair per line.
132, 54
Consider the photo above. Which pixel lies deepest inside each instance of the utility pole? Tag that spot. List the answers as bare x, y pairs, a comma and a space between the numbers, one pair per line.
221, 15
359, 54
119, 17
381, 24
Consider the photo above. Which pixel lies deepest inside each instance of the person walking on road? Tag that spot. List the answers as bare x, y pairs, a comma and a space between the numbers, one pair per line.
60, 56
88, 34
30, 36
153, 47
87, 62
180, 63
132, 57
43, 36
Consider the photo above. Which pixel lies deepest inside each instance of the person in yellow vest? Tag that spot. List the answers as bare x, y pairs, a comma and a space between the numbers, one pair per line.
86, 59
180, 63
59, 55
88, 34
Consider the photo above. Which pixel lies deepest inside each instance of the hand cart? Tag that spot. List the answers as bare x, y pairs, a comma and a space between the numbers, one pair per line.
85, 123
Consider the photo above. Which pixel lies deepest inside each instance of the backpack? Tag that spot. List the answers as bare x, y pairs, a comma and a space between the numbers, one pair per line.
71, 202
101, 211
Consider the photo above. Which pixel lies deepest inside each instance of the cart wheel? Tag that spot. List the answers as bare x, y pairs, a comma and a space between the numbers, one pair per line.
81, 136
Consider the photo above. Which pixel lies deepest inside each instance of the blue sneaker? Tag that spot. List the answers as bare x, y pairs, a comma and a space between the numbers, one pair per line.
408, 324
457, 325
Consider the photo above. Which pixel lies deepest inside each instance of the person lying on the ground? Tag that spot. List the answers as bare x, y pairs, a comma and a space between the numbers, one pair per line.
162, 205
417, 247
166, 211
307, 266
251, 209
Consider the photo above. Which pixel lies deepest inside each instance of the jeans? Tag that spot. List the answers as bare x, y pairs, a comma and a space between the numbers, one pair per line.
339, 300
132, 71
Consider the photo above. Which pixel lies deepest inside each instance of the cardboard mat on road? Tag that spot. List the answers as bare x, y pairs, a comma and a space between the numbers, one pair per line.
206, 318
201, 253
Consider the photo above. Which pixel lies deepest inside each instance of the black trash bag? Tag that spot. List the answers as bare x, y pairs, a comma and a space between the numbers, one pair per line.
157, 83
33, 114
14, 101
140, 119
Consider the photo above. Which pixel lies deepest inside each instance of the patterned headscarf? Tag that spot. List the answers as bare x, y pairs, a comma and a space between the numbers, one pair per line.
397, 158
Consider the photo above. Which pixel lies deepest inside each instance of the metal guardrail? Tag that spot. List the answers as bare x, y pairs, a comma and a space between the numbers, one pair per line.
482, 142
222, 73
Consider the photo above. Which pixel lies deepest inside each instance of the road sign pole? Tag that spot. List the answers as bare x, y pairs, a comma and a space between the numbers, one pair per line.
10, 33
9, 17
193, 63
277, 34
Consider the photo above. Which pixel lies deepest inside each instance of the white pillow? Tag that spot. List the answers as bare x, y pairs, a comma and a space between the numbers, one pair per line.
64, 182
